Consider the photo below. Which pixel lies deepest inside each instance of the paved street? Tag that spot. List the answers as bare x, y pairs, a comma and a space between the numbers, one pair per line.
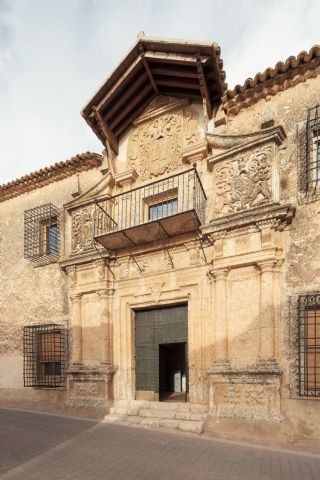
36, 446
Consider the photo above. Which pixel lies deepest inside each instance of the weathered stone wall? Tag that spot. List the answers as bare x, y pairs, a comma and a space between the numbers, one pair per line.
299, 273
31, 294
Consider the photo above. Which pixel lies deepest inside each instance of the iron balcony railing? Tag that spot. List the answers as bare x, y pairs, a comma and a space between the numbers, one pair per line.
174, 195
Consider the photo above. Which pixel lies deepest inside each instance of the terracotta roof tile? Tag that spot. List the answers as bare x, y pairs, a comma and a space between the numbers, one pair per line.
260, 86
44, 176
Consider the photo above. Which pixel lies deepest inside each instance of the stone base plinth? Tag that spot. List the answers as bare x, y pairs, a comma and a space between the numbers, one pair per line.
251, 393
89, 387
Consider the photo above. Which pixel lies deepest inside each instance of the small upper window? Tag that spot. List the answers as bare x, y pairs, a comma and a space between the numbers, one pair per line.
313, 147
41, 232
163, 209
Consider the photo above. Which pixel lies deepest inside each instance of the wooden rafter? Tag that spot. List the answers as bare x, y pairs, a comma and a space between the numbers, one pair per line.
136, 112
137, 99
106, 131
170, 82
147, 68
203, 86
170, 72
134, 88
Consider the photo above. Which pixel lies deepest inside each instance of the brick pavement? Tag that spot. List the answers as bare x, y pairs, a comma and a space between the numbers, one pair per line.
43, 447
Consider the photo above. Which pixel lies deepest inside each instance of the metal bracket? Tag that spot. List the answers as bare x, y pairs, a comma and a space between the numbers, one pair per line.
103, 258
161, 230
129, 254
200, 240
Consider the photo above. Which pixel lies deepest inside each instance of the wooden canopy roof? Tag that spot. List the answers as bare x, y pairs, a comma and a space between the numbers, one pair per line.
154, 66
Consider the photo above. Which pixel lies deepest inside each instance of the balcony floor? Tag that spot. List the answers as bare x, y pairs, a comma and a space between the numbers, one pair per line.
166, 227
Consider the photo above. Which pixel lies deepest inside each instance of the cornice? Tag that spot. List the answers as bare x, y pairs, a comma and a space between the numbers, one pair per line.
228, 146
278, 215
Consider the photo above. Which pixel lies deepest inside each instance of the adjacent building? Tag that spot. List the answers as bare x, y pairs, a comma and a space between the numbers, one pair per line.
174, 280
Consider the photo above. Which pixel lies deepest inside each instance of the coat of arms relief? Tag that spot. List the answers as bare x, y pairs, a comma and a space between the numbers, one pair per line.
244, 182
159, 136
82, 229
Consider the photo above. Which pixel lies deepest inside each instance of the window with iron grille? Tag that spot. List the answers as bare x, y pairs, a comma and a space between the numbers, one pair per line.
309, 345
44, 356
41, 232
313, 147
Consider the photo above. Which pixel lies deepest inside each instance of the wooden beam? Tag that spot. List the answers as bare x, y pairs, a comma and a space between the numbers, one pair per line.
120, 129
107, 133
116, 88
147, 68
138, 98
171, 72
176, 93
173, 58
178, 84
203, 86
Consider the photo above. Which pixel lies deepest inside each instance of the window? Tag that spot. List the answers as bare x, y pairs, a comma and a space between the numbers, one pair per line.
309, 345
313, 147
44, 356
41, 232
163, 209
49, 236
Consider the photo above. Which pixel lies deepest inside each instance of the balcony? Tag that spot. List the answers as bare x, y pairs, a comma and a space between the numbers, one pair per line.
157, 211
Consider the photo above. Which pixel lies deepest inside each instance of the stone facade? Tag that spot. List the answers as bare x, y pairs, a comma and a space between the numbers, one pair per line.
240, 273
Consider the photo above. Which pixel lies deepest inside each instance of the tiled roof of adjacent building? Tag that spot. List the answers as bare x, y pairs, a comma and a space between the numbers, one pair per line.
54, 173
273, 80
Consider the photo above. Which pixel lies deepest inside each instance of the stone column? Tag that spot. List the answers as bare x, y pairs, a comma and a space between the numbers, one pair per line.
267, 320
105, 327
76, 324
220, 315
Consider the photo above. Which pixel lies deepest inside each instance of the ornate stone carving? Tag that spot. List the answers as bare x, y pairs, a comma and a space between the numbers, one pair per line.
155, 288
156, 144
82, 229
244, 182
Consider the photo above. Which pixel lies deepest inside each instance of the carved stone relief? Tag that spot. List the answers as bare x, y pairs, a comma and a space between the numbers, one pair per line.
244, 182
82, 229
156, 144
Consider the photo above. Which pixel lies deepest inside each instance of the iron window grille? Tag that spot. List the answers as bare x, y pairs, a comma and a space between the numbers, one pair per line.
309, 345
44, 356
41, 232
313, 147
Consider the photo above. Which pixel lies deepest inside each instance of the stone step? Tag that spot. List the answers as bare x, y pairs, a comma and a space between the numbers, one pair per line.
190, 426
170, 406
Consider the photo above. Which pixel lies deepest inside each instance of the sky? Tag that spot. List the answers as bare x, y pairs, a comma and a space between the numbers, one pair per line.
55, 53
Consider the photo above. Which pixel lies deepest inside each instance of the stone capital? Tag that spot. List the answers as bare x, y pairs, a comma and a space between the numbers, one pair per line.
105, 293
219, 273
75, 297
266, 265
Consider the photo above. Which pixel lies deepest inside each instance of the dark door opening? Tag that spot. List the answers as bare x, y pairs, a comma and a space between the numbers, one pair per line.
173, 384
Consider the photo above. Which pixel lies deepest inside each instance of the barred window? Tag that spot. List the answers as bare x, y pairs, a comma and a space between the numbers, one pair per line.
41, 232
313, 147
44, 356
309, 345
